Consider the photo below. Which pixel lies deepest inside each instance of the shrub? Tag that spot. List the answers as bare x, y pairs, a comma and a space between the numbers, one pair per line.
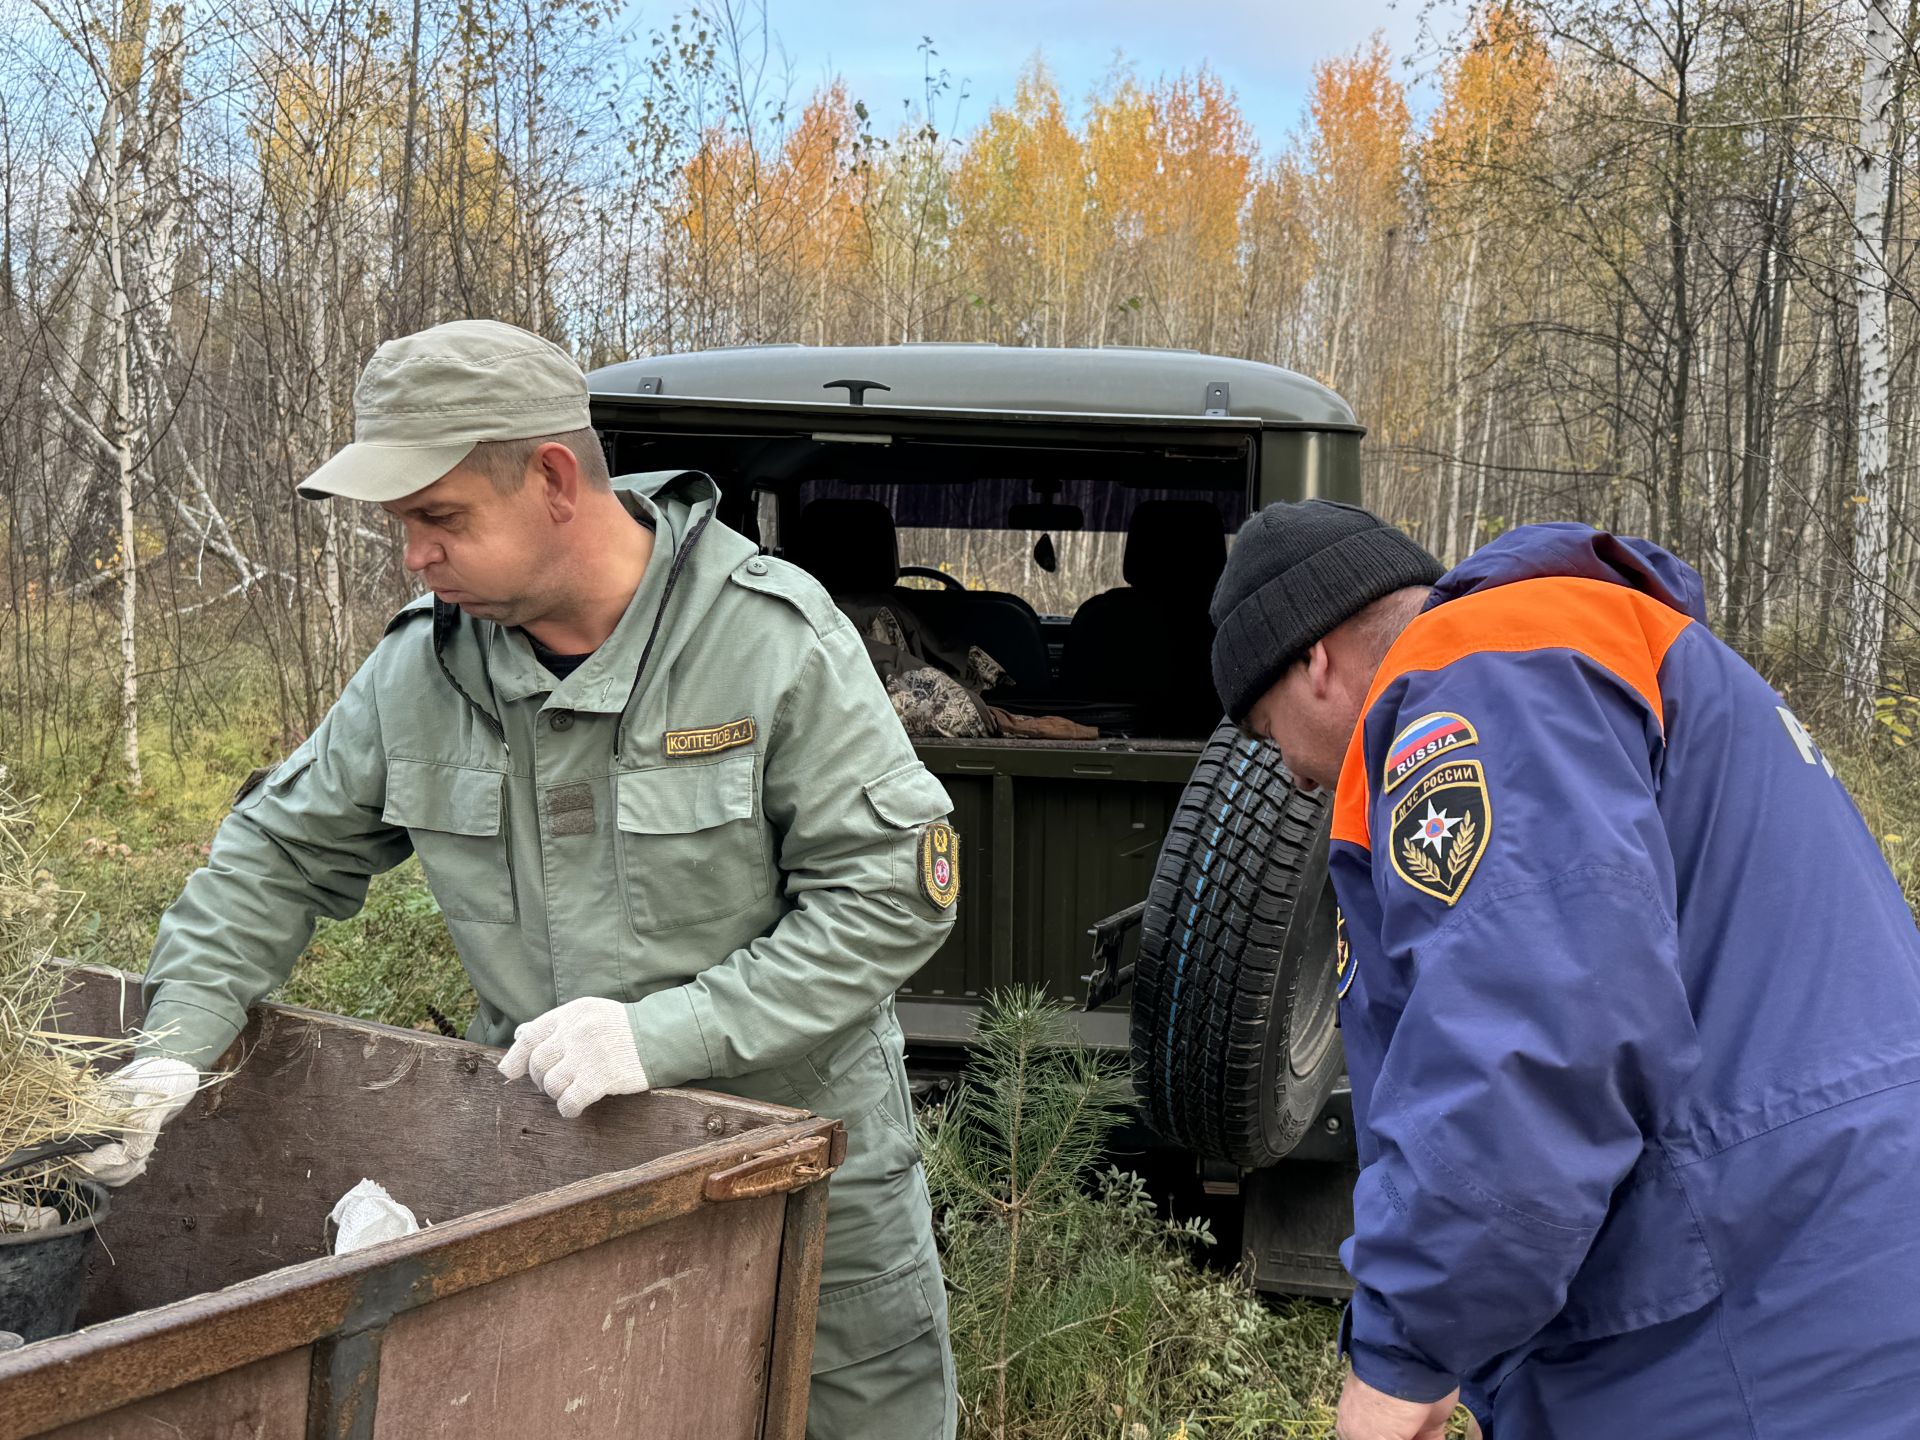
1077, 1309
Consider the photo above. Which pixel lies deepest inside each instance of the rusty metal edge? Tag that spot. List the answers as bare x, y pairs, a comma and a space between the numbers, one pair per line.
343, 1385
121, 1362
782, 1168
796, 1306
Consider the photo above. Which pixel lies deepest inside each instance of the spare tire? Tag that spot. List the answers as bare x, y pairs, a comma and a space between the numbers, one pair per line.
1234, 1041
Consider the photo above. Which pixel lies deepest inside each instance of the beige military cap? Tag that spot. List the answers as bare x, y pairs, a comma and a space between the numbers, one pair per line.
424, 400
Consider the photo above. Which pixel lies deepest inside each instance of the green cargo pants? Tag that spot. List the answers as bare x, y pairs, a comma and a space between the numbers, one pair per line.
882, 1361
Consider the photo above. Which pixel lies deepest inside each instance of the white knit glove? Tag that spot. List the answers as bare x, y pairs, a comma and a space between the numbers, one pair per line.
152, 1091
578, 1053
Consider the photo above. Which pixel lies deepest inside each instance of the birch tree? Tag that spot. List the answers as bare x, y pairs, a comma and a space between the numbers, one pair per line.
1867, 614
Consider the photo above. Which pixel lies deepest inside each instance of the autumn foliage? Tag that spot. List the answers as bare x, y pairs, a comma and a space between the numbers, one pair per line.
1595, 273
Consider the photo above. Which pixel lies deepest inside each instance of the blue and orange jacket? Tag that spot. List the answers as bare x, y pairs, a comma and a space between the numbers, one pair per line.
1631, 1001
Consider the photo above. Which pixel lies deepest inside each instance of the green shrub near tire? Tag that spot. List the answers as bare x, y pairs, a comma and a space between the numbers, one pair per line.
1234, 1045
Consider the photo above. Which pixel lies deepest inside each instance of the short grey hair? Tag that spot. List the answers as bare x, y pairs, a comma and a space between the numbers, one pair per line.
504, 462
1379, 624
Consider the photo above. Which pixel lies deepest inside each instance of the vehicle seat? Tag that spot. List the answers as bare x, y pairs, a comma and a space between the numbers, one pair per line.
852, 548
1149, 644
1002, 624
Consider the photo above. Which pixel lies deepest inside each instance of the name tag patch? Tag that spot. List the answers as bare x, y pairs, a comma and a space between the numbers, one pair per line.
685, 744
1427, 738
1440, 829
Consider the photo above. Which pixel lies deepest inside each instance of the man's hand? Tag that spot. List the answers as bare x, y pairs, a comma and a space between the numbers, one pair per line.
578, 1053
143, 1095
1370, 1414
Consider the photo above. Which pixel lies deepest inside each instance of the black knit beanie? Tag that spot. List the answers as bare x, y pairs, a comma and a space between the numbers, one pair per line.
1295, 573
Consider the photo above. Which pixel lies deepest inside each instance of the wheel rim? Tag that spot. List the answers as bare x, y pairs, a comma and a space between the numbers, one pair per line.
1316, 1003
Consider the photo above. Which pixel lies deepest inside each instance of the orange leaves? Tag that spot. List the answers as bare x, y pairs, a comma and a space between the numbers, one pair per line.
1026, 162
766, 216
1188, 175
1358, 142
1494, 93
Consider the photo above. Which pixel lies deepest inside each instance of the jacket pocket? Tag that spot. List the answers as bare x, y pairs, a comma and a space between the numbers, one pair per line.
1648, 1264
903, 800
908, 797
456, 818
859, 1321
692, 842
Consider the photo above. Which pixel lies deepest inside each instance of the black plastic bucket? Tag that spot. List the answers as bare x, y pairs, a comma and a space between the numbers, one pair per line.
42, 1271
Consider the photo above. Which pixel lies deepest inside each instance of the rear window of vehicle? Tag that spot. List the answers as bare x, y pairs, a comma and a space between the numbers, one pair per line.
987, 533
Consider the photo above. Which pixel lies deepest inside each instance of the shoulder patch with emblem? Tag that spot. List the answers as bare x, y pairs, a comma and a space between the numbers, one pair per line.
1440, 829
940, 864
1342, 954
685, 744
1427, 738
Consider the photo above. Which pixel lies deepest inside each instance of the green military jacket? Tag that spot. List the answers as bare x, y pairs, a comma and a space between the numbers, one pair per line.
716, 817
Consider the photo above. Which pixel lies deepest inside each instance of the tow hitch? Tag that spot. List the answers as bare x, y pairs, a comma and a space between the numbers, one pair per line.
1109, 977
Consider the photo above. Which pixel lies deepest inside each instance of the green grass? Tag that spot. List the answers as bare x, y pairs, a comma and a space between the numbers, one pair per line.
129, 853
1885, 782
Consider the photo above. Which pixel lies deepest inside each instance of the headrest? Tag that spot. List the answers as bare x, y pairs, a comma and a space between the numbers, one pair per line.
847, 545
1175, 545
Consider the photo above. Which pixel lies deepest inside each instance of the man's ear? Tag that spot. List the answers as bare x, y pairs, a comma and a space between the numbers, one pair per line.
556, 470
1319, 663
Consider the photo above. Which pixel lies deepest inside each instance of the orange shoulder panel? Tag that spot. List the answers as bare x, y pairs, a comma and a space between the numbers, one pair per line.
1623, 631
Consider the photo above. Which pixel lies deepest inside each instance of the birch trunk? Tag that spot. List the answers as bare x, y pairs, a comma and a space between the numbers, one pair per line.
125, 443
1461, 399
1866, 614
1480, 479
333, 578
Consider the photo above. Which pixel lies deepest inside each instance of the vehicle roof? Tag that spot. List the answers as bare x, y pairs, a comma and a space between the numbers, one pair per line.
1116, 380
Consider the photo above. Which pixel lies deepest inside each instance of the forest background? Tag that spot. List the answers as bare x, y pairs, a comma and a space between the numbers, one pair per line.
1644, 263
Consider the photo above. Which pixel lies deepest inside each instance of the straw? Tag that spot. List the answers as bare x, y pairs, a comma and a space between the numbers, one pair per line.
53, 1086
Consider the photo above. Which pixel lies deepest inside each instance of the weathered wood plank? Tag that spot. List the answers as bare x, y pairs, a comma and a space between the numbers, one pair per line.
663, 1332
263, 1401
244, 1178
92, 1371
230, 1219
790, 1358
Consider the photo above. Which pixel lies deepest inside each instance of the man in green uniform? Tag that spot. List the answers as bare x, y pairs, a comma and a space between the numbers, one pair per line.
661, 799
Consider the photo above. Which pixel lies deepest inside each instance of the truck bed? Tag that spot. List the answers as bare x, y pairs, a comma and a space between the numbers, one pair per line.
1021, 806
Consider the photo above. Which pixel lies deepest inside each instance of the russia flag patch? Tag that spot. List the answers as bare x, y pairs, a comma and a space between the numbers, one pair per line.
1427, 738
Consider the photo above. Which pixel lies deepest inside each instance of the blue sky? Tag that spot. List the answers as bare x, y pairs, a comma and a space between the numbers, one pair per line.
1265, 51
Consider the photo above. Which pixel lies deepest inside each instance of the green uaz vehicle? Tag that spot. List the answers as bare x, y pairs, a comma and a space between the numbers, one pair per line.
1043, 528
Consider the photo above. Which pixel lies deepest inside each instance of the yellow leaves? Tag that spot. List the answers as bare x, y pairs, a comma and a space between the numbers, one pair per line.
1021, 190
1149, 193
745, 204
1360, 127
1175, 159
1493, 95
319, 141
1900, 714
1054, 227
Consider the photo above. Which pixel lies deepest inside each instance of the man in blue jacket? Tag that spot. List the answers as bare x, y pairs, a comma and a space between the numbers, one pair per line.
1631, 1002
